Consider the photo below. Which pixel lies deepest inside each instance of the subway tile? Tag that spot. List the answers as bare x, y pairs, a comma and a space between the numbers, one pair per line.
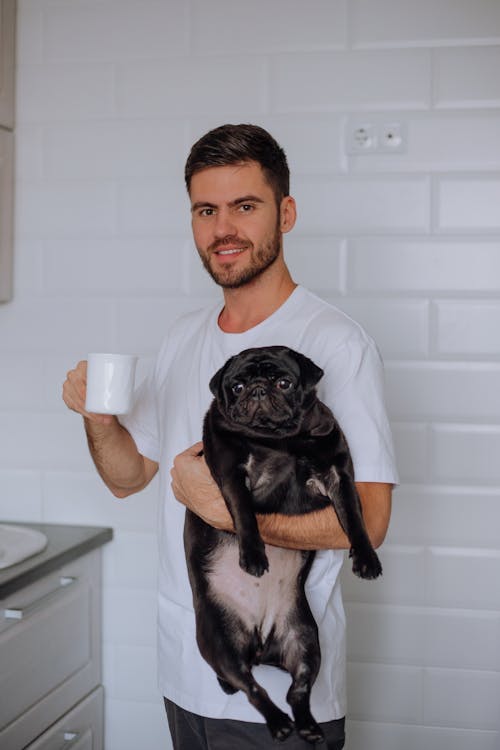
462, 698
19, 388
46, 93
400, 328
315, 261
151, 207
402, 581
411, 444
461, 578
129, 617
115, 149
321, 24
394, 23
36, 441
468, 205
435, 142
361, 206
339, 81
385, 634
119, 267
462, 639
438, 391
466, 77
152, 89
81, 497
29, 152
395, 736
423, 266
444, 516
134, 674
65, 208
312, 142
29, 31
420, 636
384, 693
467, 328
464, 453
27, 268
132, 560
20, 495
125, 31
51, 325
126, 722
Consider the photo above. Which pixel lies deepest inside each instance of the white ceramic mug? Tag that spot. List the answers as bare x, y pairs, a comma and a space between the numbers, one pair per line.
110, 383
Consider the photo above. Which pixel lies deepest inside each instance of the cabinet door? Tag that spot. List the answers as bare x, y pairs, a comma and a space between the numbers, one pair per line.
7, 61
49, 649
6, 212
80, 729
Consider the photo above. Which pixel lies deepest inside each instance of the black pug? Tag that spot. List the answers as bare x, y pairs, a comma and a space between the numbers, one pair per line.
272, 447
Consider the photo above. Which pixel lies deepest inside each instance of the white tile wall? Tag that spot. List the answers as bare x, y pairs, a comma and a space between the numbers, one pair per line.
110, 96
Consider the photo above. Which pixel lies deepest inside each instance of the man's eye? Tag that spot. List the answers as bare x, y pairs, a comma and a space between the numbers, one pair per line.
207, 212
238, 388
246, 208
284, 384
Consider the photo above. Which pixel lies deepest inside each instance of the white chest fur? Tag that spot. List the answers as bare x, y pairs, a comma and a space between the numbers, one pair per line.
259, 602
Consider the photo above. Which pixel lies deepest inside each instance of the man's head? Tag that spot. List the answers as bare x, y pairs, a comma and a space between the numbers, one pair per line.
237, 144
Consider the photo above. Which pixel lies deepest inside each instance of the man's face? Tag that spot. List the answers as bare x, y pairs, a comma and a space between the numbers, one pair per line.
235, 221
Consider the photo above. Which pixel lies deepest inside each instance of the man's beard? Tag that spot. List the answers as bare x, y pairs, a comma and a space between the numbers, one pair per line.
263, 258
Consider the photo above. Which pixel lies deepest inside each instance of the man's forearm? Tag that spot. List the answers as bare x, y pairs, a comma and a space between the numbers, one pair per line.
322, 530
116, 458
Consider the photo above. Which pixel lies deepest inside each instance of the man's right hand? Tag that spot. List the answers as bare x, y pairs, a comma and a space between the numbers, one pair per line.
75, 391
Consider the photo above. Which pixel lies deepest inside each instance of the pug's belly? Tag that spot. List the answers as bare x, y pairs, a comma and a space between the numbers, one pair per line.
261, 603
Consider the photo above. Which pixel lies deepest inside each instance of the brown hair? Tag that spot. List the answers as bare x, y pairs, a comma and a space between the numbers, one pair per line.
233, 144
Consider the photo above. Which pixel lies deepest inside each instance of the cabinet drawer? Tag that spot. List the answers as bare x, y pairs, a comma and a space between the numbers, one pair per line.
49, 649
80, 729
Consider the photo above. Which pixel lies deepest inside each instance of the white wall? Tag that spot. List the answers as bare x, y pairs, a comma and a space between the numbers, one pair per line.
111, 94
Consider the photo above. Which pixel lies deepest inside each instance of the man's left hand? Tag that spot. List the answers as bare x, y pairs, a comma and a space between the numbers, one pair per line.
194, 487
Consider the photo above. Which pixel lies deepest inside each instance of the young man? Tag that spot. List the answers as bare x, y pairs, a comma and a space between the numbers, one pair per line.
238, 183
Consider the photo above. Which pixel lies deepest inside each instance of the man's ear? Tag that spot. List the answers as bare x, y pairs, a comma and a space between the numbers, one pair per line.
288, 214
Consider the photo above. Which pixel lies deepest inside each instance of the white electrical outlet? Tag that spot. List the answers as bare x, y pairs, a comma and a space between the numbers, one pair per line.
375, 137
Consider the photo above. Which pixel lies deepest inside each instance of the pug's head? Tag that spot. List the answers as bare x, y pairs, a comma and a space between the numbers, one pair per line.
266, 392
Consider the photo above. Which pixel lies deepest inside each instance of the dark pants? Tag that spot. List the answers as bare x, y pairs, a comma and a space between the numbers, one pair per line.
192, 732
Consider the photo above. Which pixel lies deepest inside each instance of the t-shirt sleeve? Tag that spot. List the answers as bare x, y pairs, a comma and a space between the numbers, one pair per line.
353, 387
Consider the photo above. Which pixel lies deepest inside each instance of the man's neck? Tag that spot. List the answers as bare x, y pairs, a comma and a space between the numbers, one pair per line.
246, 307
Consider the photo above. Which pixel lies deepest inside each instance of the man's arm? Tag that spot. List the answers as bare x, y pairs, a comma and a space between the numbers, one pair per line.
123, 469
194, 487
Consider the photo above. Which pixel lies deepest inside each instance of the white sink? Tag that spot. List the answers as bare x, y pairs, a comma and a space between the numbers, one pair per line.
17, 543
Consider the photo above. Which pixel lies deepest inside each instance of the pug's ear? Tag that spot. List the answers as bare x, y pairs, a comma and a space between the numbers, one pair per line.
310, 373
216, 380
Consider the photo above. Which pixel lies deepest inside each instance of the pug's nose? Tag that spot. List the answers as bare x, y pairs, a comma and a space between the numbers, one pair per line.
258, 392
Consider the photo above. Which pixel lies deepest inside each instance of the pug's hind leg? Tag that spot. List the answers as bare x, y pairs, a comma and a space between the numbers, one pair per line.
302, 661
278, 722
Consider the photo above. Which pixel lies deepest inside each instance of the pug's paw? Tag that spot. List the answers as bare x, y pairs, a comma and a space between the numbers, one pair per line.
254, 560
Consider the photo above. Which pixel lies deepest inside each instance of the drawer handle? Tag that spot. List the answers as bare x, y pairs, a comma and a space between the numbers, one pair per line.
69, 738
18, 613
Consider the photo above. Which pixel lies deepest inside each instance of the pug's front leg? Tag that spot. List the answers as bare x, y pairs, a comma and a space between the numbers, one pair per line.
253, 558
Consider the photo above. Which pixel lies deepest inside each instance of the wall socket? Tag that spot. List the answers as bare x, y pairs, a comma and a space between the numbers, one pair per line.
375, 137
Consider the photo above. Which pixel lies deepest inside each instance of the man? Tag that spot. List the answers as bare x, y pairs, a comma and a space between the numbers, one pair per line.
238, 183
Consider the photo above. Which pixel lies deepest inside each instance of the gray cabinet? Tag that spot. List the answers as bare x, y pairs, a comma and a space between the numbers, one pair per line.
7, 62
7, 107
50, 661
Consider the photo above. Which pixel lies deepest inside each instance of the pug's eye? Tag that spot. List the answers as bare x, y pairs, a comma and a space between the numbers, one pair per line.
284, 384
238, 388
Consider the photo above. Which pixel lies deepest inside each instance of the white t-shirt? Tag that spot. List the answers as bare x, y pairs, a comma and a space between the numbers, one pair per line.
167, 418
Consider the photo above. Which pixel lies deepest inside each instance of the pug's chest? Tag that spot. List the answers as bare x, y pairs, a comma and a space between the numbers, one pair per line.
286, 482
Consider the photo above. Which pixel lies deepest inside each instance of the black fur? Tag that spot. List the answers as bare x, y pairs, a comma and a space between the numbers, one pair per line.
272, 447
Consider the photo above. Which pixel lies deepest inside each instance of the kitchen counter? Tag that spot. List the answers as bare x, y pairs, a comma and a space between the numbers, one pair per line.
65, 543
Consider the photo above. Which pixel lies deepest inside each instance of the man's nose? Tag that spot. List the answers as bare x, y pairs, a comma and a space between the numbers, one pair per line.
224, 225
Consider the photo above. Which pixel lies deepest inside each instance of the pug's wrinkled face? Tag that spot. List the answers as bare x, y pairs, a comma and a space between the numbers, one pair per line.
264, 390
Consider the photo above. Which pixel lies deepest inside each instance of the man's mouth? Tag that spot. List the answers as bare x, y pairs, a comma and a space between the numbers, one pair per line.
233, 251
